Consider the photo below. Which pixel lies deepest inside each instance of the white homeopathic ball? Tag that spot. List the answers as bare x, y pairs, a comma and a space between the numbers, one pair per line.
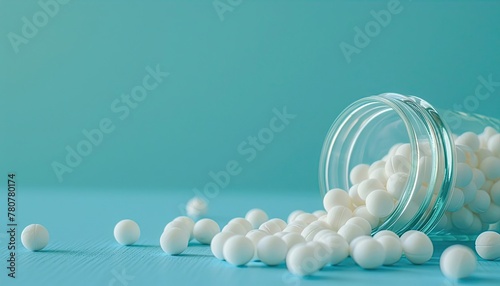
35, 237
458, 261
127, 232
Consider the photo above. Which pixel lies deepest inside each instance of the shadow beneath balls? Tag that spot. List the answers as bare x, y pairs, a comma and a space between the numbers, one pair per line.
258, 264
193, 255
144, 246
60, 251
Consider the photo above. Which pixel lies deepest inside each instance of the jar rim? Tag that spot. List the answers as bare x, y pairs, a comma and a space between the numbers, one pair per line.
420, 119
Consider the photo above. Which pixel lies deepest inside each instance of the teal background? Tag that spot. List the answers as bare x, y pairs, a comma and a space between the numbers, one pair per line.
225, 79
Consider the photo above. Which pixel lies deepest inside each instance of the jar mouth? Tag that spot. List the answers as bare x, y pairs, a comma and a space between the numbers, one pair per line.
365, 132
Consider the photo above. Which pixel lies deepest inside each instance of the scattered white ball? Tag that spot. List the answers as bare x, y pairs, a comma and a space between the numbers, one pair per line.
127, 232
396, 184
303, 260
292, 238
393, 248
379, 203
247, 225
350, 232
256, 217
35, 237
359, 173
196, 207
338, 216
417, 247
458, 261
368, 186
491, 168
362, 223
293, 215
338, 246
271, 250
217, 244
336, 197
494, 144
369, 254
204, 230
488, 245
464, 175
174, 241
238, 250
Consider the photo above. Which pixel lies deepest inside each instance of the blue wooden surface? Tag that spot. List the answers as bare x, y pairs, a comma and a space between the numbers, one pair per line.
82, 250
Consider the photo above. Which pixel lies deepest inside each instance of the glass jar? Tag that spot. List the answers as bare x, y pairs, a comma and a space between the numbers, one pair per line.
433, 190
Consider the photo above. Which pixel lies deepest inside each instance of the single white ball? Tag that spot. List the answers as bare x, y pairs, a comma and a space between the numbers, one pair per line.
462, 219
491, 215
301, 260
380, 203
247, 225
396, 184
404, 150
362, 223
271, 250
234, 228
368, 186
319, 213
271, 227
369, 254
417, 247
488, 245
35, 237
494, 144
338, 246
359, 173
397, 164
238, 250
350, 232
336, 197
491, 168
311, 230
338, 216
469, 139
455, 200
355, 199
457, 261
307, 218
217, 244
127, 232
196, 207
205, 229
296, 226
355, 242
183, 222
495, 193
256, 217
174, 241
464, 175
385, 233
293, 215
481, 202
393, 248
292, 238
361, 211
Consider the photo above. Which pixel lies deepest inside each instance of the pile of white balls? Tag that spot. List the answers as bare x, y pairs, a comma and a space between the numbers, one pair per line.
474, 203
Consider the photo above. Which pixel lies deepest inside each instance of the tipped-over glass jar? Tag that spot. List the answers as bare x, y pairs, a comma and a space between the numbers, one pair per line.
409, 166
